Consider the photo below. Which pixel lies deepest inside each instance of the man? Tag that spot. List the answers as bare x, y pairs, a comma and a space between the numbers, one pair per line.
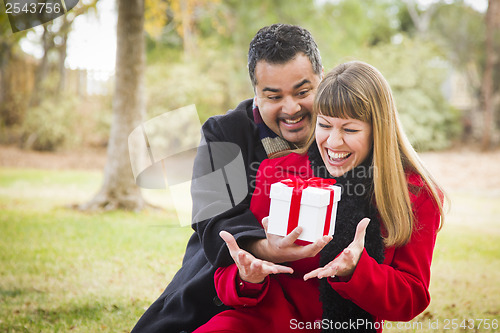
285, 69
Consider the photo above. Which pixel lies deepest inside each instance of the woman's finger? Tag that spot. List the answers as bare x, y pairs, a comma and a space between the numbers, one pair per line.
312, 274
231, 243
359, 237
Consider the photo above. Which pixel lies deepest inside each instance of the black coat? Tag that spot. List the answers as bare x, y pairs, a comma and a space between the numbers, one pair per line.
190, 299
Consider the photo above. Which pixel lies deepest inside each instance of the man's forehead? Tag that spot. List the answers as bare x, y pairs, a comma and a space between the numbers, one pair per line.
295, 73
277, 64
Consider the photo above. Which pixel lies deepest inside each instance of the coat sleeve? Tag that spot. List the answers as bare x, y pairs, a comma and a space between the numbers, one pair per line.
399, 290
211, 212
236, 293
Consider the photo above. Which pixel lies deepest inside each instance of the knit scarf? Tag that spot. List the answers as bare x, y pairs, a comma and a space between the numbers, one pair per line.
272, 142
355, 204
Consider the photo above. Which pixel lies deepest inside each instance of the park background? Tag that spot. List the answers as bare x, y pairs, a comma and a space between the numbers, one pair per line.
84, 251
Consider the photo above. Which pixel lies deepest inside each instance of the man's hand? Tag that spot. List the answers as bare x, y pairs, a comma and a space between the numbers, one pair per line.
346, 262
251, 269
280, 249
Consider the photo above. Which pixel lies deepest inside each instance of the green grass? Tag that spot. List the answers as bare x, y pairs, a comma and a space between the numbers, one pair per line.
465, 281
67, 271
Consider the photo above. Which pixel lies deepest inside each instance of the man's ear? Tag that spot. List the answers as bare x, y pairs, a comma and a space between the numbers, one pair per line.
255, 100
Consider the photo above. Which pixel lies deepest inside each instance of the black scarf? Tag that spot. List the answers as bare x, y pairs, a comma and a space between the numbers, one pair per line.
355, 204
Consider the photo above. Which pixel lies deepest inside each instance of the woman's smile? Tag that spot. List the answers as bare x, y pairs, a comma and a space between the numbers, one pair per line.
343, 143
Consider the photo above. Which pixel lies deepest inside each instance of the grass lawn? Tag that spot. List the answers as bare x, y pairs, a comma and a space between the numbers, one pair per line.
67, 271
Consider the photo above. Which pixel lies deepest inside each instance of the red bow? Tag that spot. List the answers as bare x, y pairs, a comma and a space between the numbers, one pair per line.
299, 185
313, 182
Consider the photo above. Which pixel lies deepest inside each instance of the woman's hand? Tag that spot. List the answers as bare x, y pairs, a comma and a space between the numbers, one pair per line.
283, 249
251, 269
345, 263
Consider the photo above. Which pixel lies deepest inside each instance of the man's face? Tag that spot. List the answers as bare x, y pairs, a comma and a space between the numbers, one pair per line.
285, 95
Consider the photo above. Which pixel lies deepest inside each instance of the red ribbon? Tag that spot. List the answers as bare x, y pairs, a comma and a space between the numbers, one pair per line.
299, 185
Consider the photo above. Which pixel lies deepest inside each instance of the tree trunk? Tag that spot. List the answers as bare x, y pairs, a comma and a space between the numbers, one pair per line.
43, 67
422, 20
63, 49
119, 190
6, 116
187, 30
487, 84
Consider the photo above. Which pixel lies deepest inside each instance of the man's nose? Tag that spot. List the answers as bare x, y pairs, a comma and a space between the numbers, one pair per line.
290, 106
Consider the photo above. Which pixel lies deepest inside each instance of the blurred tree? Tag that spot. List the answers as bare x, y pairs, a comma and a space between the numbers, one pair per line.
216, 77
54, 40
119, 190
416, 71
9, 47
462, 33
179, 15
155, 17
492, 30
459, 31
421, 18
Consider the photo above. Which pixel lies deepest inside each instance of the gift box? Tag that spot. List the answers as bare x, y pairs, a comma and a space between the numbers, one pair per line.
311, 204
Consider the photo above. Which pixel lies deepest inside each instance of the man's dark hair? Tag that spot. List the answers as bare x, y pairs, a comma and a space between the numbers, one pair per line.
280, 43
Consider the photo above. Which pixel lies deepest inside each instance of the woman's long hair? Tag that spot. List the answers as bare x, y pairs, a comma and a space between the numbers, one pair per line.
359, 91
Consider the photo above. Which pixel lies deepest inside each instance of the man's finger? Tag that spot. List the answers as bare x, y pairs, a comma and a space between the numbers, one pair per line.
265, 223
314, 248
291, 237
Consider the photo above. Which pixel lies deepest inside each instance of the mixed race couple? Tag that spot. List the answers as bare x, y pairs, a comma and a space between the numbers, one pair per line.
305, 123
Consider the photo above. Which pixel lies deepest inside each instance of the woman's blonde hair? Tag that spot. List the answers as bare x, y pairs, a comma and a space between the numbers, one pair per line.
359, 91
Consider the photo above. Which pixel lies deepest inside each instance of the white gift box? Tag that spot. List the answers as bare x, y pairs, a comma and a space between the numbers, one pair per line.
312, 216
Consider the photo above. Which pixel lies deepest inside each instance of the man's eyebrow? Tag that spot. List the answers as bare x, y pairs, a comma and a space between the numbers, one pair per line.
298, 85
271, 89
301, 83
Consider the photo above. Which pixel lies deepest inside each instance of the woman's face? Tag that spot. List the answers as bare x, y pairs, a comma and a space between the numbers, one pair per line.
343, 143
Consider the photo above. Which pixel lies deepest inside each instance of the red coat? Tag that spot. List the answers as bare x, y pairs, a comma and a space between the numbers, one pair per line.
397, 290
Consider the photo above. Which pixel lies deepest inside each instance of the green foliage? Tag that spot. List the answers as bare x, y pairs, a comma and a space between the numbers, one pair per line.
214, 75
50, 125
216, 78
417, 73
213, 81
460, 31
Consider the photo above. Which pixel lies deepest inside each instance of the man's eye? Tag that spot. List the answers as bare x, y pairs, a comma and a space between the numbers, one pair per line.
303, 92
274, 98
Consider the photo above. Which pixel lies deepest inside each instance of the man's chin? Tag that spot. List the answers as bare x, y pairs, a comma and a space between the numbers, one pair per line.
298, 137
298, 141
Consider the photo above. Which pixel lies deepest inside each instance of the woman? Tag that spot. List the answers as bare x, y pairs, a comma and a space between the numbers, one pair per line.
361, 280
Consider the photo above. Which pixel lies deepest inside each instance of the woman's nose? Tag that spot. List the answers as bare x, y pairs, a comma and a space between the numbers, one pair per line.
335, 139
